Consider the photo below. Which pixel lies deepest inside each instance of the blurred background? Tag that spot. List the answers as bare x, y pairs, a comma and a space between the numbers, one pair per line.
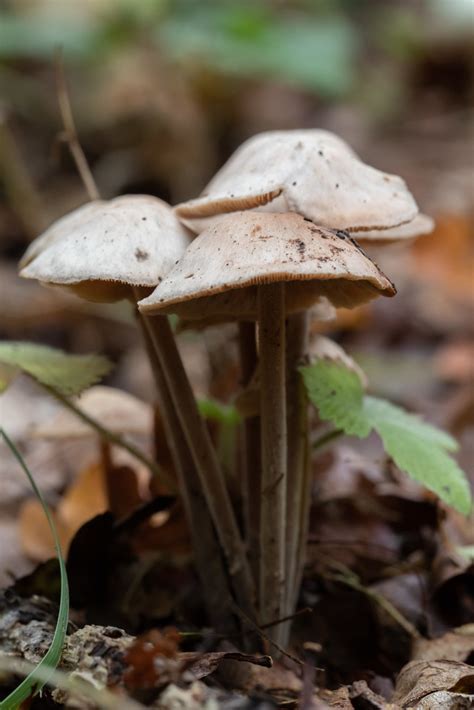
164, 90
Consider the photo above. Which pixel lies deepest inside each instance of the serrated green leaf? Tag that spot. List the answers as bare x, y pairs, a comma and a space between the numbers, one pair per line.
418, 448
338, 394
64, 373
36, 680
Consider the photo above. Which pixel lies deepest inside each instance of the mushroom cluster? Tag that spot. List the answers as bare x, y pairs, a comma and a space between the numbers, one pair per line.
270, 238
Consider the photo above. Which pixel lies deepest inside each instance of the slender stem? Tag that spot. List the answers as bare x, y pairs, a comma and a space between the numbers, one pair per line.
205, 459
208, 559
251, 456
70, 132
297, 422
326, 438
112, 437
271, 322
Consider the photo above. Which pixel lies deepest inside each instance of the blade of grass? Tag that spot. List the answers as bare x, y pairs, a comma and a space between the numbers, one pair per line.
33, 683
72, 684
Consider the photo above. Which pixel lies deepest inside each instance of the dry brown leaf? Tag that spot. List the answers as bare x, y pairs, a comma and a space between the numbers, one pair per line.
82, 501
455, 645
35, 535
434, 684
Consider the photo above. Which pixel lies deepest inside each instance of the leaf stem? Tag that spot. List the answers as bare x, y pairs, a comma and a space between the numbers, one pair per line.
112, 437
327, 438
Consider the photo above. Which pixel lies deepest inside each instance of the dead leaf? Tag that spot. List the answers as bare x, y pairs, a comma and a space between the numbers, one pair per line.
201, 665
421, 681
82, 501
455, 645
152, 660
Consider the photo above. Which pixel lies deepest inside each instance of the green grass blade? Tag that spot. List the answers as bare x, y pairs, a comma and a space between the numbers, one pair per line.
32, 684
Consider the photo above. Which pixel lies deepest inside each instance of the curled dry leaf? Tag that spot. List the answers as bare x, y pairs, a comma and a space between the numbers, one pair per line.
435, 684
154, 660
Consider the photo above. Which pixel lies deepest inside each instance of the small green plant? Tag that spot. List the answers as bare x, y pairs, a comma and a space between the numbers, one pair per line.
418, 448
39, 676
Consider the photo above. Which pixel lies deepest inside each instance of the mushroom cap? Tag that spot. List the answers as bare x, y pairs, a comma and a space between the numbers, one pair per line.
312, 172
221, 269
133, 240
421, 224
116, 410
59, 229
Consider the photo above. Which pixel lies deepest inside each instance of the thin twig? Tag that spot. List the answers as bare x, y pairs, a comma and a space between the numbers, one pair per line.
351, 580
69, 134
326, 438
113, 438
300, 612
247, 620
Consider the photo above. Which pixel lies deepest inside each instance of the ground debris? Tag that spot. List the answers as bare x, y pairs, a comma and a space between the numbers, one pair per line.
444, 685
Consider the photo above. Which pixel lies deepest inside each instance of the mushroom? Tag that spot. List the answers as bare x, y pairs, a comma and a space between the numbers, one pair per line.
120, 249
262, 266
312, 172
317, 175
103, 249
117, 411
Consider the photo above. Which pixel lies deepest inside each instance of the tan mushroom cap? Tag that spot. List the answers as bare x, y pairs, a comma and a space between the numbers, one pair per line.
59, 229
133, 240
311, 172
420, 225
221, 269
116, 410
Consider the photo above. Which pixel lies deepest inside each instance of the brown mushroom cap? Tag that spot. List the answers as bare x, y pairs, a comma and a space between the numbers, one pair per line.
311, 172
118, 411
221, 269
133, 240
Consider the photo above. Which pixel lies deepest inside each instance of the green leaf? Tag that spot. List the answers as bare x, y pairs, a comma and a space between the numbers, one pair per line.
32, 684
66, 374
338, 394
418, 448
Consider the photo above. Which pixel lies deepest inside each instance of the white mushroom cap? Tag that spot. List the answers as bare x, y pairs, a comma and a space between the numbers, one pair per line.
133, 240
420, 225
59, 229
311, 172
116, 410
221, 269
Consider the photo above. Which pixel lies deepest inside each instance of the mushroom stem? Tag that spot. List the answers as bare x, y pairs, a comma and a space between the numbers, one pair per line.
271, 323
297, 423
251, 458
205, 460
208, 559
